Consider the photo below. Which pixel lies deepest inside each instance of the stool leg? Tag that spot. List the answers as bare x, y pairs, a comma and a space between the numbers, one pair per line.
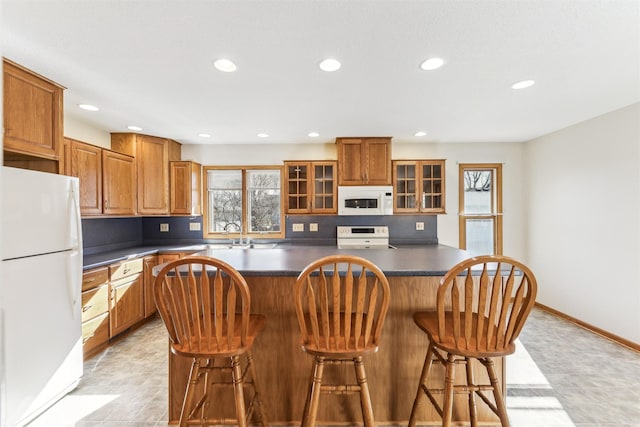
311, 407
497, 395
420, 394
188, 396
365, 398
473, 413
236, 370
256, 389
447, 404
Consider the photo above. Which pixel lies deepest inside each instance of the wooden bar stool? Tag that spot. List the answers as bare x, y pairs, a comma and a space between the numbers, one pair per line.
482, 304
341, 303
205, 305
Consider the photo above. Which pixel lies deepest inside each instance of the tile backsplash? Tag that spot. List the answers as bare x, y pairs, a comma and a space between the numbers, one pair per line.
104, 234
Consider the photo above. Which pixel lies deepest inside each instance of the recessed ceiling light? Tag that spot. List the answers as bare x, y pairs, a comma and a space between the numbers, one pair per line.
136, 128
88, 107
263, 135
204, 135
313, 134
225, 65
330, 64
523, 84
432, 64
420, 133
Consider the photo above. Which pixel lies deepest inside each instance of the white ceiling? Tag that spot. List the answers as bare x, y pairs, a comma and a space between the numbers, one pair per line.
149, 63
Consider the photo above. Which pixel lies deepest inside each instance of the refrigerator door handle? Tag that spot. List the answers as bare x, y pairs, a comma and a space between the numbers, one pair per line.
74, 264
76, 242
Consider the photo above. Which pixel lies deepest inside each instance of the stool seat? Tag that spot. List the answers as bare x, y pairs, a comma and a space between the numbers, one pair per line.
428, 322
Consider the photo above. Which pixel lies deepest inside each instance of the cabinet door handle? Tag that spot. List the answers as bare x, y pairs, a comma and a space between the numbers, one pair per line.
87, 307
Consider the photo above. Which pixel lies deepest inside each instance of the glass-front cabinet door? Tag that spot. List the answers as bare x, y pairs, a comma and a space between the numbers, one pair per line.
324, 187
297, 192
432, 186
406, 186
419, 186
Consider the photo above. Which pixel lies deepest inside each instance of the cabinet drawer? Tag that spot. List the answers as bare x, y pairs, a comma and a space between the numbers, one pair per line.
95, 332
95, 302
125, 269
94, 278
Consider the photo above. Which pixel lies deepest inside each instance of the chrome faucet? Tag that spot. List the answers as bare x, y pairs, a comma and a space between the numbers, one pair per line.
240, 229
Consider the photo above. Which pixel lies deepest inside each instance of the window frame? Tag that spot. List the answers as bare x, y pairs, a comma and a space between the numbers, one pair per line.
496, 209
206, 234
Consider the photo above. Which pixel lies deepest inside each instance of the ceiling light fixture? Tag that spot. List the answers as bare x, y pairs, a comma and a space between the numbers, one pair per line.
523, 84
313, 134
225, 65
135, 128
420, 133
432, 64
329, 65
263, 135
204, 135
88, 107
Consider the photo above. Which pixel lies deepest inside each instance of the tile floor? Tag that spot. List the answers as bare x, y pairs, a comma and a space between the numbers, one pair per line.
561, 376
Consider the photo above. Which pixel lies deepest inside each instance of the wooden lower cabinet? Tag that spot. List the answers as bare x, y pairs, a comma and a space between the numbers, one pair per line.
126, 303
149, 301
117, 297
95, 310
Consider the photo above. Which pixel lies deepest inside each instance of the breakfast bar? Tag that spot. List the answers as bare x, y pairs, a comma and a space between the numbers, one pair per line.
283, 369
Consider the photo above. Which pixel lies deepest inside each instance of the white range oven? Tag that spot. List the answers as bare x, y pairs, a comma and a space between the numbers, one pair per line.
363, 237
365, 200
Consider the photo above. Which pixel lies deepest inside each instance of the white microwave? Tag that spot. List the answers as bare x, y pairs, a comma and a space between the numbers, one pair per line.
365, 200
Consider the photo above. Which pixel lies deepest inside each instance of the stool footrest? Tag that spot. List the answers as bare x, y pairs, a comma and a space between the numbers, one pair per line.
340, 389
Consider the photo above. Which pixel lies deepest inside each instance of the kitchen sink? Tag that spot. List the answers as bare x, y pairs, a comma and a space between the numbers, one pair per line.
252, 245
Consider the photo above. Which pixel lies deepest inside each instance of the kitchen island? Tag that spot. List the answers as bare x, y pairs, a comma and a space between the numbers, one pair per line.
284, 369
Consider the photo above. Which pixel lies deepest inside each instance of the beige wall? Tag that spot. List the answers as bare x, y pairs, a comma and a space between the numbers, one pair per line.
582, 226
77, 129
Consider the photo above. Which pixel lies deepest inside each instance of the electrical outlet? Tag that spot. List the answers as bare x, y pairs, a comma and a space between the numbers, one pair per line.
419, 225
313, 226
164, 228
298, 227
194, 226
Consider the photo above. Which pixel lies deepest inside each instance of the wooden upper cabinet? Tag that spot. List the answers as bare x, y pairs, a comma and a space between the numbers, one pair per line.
419, 186
186, 178
153, 155
364, 161
119, 191
32, 113
107, 179
86, 164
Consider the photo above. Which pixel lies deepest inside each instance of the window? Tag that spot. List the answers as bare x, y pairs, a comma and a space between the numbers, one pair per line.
243, 200
481, 208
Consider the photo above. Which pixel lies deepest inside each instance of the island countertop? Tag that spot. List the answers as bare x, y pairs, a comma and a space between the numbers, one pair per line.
290, 260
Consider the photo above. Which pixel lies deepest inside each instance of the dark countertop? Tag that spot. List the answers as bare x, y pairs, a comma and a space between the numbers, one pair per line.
289, 260
110, 257
430, 260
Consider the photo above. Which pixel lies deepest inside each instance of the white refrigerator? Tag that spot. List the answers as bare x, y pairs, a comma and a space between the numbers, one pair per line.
40, 285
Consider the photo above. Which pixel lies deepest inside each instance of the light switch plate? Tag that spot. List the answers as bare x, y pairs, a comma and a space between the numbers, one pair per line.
164, 228
194, 226
313, 226
419, 225
297, 227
